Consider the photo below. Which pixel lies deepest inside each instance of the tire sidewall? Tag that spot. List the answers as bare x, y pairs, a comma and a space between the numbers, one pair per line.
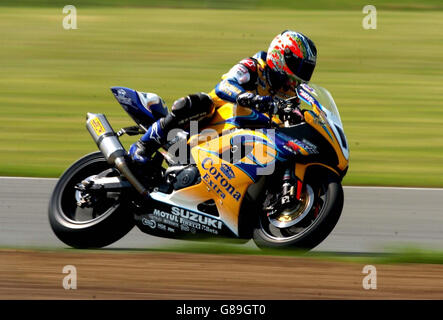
99, 232
321, 227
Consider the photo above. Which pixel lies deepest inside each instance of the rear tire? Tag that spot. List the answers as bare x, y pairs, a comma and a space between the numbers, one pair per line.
315, 227
72, 228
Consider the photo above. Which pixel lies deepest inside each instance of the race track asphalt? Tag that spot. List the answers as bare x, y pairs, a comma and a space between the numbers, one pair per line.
374, 219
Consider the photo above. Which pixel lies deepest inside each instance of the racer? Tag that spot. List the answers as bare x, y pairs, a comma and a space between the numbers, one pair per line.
253, 82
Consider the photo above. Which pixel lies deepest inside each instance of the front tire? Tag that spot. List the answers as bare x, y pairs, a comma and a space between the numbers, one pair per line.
103, 224
315, 226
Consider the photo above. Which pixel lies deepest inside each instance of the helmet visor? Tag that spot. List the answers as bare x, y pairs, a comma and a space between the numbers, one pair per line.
302, 68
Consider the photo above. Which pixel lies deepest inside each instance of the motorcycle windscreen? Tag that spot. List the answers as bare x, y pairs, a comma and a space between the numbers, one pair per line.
320, 101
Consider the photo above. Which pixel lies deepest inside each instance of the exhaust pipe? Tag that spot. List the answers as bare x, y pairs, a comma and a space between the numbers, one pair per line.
111, 147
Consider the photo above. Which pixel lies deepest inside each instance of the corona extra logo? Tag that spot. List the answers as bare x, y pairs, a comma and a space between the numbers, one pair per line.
217, 181
227, 171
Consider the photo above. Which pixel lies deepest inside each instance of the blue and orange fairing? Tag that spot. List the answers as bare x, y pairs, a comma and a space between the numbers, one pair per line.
226, 180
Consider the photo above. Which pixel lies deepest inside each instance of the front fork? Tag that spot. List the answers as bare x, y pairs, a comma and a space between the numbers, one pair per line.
299, 172
293, 180
293, 183
288, 187
291, 190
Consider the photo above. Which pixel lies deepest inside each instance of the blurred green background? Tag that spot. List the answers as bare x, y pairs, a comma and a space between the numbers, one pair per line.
386, 82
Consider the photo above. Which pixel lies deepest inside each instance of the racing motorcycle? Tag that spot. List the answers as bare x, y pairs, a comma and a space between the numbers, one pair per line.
260, 176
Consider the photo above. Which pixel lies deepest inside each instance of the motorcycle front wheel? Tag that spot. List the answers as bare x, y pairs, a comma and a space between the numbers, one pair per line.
96, 225
312, 221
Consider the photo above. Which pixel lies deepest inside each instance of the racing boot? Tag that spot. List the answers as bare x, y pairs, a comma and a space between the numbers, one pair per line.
141, 151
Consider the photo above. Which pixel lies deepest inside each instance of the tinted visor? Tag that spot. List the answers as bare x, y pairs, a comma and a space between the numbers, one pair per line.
300, 67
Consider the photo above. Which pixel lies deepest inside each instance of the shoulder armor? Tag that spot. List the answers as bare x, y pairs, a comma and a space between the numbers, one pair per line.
249, 63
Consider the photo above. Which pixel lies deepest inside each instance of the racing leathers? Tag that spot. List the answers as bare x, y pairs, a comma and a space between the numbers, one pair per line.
254, 77
250, 83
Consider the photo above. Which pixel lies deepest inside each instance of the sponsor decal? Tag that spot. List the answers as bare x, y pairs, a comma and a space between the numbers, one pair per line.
97, 126
306, 97
193, 219
291, 147
169, 229
294, 146
227, 171
163, 227
154, 133
232, 88
226, 91
308, 88
150, 223
184, 220
218, 182
308, 146
122, 98
166, 218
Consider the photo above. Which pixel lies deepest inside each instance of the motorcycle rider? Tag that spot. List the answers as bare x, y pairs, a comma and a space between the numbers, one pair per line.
254, 82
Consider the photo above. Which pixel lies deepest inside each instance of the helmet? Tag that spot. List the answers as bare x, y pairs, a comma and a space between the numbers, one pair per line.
294, 55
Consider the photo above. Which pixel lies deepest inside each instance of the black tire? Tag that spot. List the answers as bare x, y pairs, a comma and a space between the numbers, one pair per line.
316, 228
101, 230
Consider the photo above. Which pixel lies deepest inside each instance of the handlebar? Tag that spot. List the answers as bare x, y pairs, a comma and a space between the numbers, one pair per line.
285, 108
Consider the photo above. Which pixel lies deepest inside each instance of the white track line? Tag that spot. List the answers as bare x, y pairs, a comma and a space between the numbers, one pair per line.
346, 187
26, 178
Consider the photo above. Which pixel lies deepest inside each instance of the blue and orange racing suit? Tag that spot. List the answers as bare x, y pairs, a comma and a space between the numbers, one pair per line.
250, 75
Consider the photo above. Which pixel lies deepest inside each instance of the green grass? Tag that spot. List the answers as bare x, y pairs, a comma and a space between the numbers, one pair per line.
387, 82
399, 255
393, 255
238, 4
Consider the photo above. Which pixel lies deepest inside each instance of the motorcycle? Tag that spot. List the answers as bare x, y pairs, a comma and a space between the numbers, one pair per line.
260, 176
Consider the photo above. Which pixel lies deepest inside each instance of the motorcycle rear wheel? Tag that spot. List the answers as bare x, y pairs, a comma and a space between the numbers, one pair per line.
313, 228
95, 227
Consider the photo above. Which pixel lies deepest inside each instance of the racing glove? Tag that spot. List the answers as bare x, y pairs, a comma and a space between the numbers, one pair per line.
253, 101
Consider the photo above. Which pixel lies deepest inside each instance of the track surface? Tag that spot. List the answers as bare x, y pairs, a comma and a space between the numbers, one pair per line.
183, 276
373, 219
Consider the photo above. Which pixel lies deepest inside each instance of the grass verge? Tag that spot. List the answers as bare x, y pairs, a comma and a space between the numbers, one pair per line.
399, 255
386, 82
